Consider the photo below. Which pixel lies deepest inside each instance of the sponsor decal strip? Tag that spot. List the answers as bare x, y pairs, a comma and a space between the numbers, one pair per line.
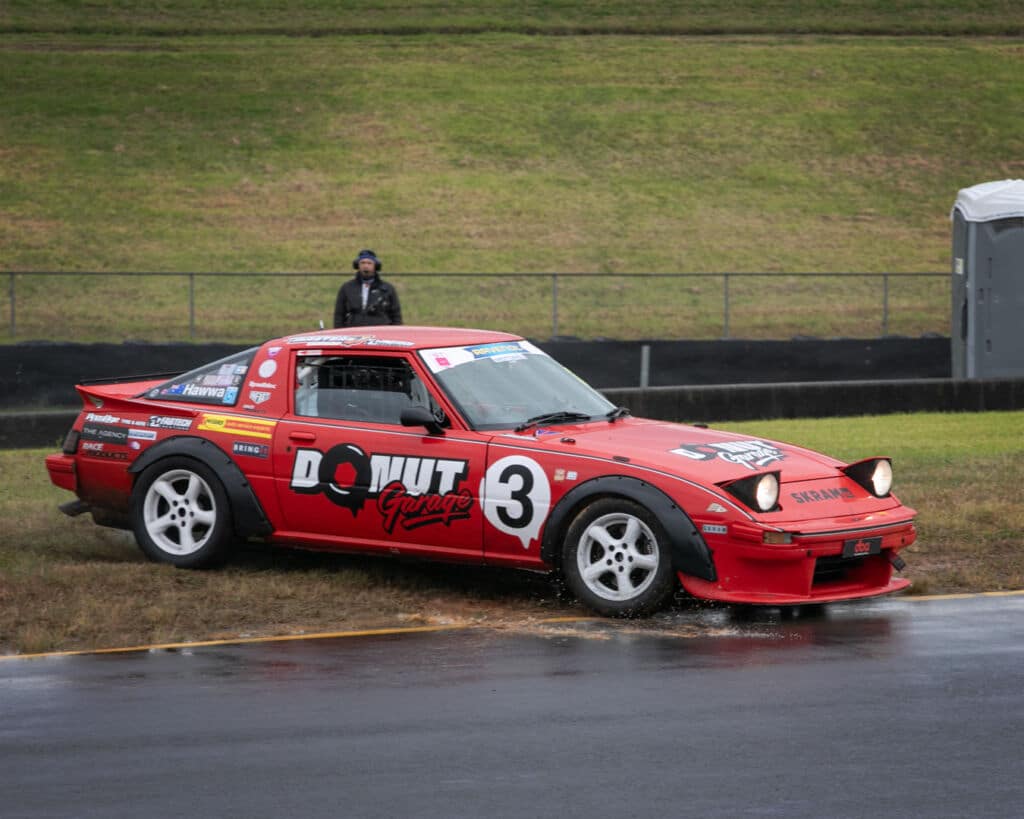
233, 425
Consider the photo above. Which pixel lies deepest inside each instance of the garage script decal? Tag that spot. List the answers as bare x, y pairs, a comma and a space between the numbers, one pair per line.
410, 492
751, 453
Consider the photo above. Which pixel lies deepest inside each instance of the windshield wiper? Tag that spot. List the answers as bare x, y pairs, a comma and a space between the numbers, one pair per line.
552, 418
615, 414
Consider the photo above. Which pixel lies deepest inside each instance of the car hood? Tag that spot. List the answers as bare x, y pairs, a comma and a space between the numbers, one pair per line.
704, 455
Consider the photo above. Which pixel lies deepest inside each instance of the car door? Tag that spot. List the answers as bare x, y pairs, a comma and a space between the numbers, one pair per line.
350, 475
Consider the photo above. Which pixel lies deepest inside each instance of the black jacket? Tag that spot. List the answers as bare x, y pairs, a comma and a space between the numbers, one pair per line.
381, 304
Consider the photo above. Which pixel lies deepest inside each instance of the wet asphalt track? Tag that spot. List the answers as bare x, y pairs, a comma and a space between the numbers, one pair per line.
892, 708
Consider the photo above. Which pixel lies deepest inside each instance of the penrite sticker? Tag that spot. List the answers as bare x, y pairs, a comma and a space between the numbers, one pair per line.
250, 427
751, 453
410, 491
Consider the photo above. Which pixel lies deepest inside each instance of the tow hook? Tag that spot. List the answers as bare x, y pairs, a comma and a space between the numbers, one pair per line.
898, 563
74, 508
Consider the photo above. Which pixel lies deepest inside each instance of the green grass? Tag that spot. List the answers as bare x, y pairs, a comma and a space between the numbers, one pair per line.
551, 16
498, 150
66, 583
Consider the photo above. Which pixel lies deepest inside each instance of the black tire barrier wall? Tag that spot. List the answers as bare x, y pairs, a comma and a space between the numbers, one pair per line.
40, 374
736, 402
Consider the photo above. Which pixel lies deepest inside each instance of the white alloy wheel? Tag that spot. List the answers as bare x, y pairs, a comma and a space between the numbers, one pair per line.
179, 512
617, 556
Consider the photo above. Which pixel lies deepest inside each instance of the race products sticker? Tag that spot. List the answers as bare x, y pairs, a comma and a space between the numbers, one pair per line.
98, 450
262, 385
105, 432
273, 351
564, 475
714, 529
516, 497
250, 450
170, 422
233, 425
259, 396
818, 495
410, 491
752, 453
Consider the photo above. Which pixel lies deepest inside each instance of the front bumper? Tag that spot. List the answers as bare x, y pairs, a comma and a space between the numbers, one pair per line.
811, 569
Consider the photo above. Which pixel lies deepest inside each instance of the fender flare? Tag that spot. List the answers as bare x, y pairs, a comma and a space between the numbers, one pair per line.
690, 553
247, 515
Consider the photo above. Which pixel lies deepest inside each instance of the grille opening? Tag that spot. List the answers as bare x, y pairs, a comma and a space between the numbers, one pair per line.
835, 569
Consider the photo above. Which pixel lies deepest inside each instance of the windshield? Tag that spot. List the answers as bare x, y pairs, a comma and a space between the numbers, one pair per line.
505, 384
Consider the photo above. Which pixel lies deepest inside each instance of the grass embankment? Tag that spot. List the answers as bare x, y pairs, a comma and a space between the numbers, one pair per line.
66, 583
130, 150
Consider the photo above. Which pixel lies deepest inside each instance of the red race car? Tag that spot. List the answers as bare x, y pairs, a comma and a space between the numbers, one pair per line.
474, 446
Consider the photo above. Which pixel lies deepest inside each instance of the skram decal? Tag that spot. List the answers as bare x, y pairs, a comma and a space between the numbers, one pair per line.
818, 495
410, 491
752, 453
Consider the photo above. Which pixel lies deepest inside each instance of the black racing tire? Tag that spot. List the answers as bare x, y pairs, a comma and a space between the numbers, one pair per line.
616, 559
181, 515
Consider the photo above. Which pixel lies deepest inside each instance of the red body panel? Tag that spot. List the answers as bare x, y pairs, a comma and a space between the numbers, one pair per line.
485, 496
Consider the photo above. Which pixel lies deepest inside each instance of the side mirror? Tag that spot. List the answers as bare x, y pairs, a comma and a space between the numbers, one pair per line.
421, 417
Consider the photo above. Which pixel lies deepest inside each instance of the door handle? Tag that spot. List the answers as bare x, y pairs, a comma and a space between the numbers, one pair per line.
305, 437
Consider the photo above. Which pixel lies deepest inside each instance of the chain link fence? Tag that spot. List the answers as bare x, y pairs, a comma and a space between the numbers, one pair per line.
164, 306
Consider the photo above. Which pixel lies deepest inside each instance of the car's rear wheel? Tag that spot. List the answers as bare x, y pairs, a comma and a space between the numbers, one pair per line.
616, 559
180, 514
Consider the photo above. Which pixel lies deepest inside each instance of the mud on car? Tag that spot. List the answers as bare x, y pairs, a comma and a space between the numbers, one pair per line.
474, 447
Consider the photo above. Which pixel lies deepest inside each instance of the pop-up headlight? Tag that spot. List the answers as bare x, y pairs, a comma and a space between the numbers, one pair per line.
759, 492
874, 474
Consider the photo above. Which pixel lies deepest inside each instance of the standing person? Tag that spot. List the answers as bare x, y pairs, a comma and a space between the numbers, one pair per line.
366, 299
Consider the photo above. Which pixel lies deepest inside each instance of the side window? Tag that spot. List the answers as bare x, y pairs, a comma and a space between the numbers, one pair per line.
216, 383
359, 388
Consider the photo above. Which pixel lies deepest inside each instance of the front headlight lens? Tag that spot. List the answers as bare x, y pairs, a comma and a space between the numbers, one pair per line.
881, 478
759, 492
767, 492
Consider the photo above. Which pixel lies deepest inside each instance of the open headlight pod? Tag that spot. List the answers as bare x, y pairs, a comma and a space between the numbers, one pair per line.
874, 474
759, 492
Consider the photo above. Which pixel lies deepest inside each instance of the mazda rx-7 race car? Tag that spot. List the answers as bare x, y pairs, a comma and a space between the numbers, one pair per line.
474, 446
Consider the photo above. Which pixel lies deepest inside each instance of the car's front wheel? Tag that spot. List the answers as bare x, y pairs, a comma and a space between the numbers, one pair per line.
616, 559
180, 514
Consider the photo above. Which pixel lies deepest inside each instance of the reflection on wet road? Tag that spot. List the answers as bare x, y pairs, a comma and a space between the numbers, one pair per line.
896, 708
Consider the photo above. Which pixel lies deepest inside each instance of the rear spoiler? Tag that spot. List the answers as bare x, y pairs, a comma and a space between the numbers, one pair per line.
127, 379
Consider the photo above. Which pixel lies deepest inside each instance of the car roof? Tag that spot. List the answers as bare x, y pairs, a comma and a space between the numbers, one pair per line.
395, 337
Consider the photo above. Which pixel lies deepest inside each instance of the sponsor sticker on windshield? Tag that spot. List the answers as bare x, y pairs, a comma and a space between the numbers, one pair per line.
444, 358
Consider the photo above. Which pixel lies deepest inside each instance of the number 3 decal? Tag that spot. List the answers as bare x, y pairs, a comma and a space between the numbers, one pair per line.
516, 497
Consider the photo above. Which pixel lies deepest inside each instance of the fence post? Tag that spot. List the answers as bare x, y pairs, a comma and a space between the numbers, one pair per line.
14, 330
192, 306
725, 305
554, 305
885, 304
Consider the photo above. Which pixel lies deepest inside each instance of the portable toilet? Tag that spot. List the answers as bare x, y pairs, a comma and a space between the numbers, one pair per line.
987, 334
